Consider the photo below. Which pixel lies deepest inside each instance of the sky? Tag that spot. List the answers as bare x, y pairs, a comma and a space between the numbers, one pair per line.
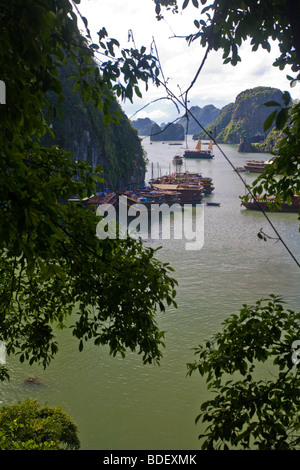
217, 84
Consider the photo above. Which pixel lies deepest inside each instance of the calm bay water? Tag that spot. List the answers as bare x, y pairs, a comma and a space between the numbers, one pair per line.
121, 404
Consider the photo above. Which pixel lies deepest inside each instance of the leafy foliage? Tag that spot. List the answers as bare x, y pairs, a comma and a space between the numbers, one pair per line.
282, 178
27, 426
81, 130
227, 25
248, 411
52, 264
246, 117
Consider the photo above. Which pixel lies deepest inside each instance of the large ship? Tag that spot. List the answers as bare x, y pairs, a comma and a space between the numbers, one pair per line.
198, 152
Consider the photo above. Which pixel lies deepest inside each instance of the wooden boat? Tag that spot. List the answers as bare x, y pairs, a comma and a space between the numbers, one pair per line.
270, 205
213, 203
104, 197
92, 202
186, 177
255, 166
177, 160
198, 152
149, 196
240, 169
187, 192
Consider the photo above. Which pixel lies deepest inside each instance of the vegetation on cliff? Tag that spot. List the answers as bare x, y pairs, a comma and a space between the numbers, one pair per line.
204, 116
143, 126
168, 132
80, 129
52, 263
244, 119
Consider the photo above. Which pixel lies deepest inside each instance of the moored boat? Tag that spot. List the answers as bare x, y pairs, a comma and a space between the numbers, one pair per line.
92, 202
149, 196
187, 192
177, 160
198, 152
104, 197
186, 177
270, 205
255, 166
240, 169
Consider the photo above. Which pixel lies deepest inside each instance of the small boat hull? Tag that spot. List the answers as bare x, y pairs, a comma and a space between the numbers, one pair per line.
270, 205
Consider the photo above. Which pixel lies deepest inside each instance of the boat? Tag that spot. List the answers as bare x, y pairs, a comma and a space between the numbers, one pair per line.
187, 177
255, 166
199, 152
92, 202
213, 203
103, 197
188, 193
177, 160
270, 205
240, 169
149, 196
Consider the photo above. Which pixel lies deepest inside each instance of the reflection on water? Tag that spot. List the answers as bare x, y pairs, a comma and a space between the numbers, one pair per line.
121, 404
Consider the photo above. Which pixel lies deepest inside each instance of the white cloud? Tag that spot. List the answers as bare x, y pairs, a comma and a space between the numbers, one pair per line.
156, 115
217, 84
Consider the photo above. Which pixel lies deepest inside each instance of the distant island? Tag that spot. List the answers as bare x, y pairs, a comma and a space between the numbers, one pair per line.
177, 131
205, 116
143, 126
167, 132
240, 123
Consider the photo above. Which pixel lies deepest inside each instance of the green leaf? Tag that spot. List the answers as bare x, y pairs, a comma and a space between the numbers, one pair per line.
137, 91
269, 121
281, 119
272, 103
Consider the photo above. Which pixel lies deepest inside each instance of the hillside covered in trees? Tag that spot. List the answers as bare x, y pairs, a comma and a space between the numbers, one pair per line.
169, 131
177, 131
242, 122
204, 116
116, 147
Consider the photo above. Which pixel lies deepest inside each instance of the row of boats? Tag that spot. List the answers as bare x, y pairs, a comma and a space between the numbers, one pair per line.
182, 188
185, 188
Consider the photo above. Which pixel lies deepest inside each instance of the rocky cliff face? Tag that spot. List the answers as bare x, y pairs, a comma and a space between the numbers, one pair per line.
143, 126
116, 147
204, 116
168, 132
243, 120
